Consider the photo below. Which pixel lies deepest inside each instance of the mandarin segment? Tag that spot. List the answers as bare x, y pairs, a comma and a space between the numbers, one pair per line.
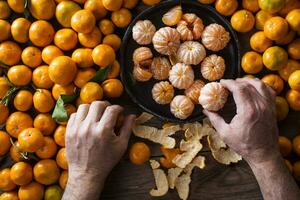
173, 16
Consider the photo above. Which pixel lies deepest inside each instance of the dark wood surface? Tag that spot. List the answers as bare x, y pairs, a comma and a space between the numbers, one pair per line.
216, 181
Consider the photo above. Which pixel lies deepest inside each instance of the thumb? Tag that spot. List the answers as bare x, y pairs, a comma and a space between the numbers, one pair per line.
217, 121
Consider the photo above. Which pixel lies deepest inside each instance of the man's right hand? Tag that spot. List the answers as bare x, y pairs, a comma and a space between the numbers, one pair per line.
253, 131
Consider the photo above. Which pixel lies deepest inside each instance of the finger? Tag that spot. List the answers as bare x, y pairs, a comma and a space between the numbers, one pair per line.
82, 112
125, 131
69, 133
217, 121
240, 91
96, 110
258, 85
110, 116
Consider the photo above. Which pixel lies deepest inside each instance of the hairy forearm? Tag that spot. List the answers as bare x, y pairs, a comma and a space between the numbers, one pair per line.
84, 187
274, 179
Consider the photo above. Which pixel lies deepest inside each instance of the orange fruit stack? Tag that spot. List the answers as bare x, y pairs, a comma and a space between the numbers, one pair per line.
48, 49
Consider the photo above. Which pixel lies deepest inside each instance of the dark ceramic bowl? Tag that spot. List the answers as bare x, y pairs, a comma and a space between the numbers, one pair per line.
140, 92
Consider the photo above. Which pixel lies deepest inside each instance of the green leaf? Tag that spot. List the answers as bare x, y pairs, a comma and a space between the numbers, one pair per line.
60, 113
101, 74
6, 99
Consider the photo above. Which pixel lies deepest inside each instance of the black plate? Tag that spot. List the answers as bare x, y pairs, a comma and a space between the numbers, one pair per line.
140, 92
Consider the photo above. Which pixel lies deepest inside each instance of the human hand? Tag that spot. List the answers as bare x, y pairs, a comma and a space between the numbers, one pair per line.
253, 131
92, 146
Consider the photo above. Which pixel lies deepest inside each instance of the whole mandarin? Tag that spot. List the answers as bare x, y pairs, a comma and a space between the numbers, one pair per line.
31, 191
17, 6
20, 30
6, 184
4, 113
103, 55
66, 39
17, 122
64, 12
106, 26
91, 92
139, 153
59, 135
31, 56
58, 90
5, 143
293, 98
19, 75
23, 100
21, 173
112, 88
282, 108
48, 150
91, 39
5, 30
41, 33
51, 52
10, 53
83, 76
96, 7
61, 159
43, 101
62, 70
83, 57
31, 140
83, 21
40, 77
285, 146
46, 172
45, 123
121, 18
274, 81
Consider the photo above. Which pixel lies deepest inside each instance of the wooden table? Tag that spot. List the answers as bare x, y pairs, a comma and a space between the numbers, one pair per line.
216, 181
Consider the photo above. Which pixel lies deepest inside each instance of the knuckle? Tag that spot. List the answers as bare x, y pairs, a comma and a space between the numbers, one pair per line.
113, 108
98, 103
83, 106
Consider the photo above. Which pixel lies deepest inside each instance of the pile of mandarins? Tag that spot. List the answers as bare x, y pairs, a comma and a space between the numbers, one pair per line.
274, 56
56, 55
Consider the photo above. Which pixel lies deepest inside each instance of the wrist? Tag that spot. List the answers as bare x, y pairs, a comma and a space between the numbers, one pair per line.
84, 185
269, 158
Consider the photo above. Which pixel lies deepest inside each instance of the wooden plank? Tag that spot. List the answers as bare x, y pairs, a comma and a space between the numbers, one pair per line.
216, 181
